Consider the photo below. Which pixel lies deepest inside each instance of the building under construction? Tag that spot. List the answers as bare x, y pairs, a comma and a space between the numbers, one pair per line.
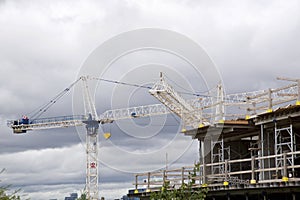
249, 144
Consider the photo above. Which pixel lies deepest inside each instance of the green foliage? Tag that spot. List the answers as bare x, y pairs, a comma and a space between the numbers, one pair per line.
82, 197
4, 189
4, 196
186, 191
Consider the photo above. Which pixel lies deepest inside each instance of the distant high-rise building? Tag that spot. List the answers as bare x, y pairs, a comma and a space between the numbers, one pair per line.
73, 196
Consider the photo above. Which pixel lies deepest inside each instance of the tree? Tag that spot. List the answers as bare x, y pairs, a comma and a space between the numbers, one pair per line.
4, 189
4, 196
184, 192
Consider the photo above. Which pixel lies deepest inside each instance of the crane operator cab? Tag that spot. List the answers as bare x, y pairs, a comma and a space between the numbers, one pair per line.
25, 120
18, 124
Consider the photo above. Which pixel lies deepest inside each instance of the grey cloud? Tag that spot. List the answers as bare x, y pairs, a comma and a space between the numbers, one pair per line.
44, 43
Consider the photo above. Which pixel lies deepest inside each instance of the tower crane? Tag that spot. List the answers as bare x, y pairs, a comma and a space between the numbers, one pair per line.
195, 113
91, 120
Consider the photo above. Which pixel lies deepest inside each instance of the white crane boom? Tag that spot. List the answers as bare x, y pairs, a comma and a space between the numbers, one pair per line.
210, 109
133, 112
177, 104
77, 120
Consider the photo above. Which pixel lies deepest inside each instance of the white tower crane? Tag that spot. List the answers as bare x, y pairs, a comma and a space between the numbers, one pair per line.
91, 121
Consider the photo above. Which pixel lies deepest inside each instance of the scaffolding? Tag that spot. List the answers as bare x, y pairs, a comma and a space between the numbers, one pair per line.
284, 143
256, 149
219, 155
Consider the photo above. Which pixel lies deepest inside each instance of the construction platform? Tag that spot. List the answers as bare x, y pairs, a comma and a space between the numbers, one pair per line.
253, 158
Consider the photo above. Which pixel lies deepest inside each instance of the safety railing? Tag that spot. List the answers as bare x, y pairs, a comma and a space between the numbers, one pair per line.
199, 175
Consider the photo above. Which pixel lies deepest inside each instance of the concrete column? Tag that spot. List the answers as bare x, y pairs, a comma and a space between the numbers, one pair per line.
204, 174
136, 181
261, 146
226, 173
252, 181
148, 180
285, 175
246, 196
293, 196
206, 156
182, 175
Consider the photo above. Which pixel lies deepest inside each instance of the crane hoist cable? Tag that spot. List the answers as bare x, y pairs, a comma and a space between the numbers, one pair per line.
123, 83
35, 114
148, 87
201, 94
187, 91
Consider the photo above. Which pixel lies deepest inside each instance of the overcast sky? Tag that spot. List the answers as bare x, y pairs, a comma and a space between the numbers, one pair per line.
43, 45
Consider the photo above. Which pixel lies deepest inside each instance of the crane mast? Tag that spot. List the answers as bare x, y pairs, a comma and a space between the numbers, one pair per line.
92, 127
92, 190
